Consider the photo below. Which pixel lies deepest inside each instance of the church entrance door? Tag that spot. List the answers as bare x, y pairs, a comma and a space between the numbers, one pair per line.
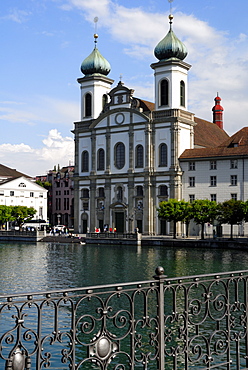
119, 222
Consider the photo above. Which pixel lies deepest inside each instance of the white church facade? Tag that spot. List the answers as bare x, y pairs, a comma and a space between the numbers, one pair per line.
131, 154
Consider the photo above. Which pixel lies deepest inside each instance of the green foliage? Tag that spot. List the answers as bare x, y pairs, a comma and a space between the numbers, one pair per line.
203, 211
5, 214
20, 214
174, 210
45, 184
232, 212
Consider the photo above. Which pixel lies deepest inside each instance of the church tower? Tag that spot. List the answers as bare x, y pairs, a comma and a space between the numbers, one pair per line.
95, 85
171, 73
173, 123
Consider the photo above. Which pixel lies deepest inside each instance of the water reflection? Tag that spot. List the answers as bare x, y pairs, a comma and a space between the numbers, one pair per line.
38, 267
42, 266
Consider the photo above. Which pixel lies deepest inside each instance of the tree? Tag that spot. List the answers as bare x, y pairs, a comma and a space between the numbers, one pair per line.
203, 211
5, 214
44, 184
173, 210
232, 212
20, 214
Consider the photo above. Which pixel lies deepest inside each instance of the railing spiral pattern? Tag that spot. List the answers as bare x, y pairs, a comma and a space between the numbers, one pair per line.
195, 322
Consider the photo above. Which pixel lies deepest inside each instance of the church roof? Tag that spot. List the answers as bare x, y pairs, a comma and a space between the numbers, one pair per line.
236, 145
147, 105
208, 134
7, 172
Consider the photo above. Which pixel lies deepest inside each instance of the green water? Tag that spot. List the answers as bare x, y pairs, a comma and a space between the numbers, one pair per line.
44, 266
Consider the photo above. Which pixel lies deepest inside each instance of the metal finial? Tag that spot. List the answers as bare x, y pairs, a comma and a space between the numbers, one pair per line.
95, 34
170, 1
121, 77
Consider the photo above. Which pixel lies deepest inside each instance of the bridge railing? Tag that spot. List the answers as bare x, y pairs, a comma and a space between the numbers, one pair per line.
194, 322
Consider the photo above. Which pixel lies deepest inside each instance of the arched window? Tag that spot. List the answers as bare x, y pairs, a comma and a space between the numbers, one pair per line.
88, 105
139, 156
119, 194
163, 190
100, 160
104, 100
101, 192
163, 155
139, 191
119, 155
85, 161
182, 93
164, 92
85, 193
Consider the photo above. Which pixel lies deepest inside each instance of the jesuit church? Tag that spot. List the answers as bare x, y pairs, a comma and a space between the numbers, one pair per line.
131, 154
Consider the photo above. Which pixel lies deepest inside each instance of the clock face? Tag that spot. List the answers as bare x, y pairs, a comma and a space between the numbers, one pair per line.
119, 118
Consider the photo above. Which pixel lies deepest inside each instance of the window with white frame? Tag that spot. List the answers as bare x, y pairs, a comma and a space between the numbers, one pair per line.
213, 197
234, 180
234, 196
213, 180
233, 163
191, 181
213, 165
191, 198
191, 166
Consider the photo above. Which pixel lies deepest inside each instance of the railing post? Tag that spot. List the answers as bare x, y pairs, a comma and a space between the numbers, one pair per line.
161, 278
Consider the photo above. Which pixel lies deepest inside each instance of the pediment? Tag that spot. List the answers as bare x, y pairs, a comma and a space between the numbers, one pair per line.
119, 117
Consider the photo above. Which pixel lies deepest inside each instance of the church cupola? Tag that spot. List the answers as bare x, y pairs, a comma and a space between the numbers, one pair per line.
170, 46
218, 112
95, 63
95, 85
171, 73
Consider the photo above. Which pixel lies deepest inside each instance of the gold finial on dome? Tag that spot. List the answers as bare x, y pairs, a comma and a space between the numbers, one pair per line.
170, 15
95, 37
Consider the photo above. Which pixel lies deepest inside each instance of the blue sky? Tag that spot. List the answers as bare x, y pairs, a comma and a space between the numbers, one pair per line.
44, 42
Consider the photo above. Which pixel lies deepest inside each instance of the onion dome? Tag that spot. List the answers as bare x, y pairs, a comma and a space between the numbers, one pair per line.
170, 47
95, 63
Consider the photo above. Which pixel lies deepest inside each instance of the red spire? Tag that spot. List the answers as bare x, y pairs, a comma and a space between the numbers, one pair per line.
218, 112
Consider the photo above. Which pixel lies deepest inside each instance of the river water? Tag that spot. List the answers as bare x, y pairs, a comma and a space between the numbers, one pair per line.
44, 266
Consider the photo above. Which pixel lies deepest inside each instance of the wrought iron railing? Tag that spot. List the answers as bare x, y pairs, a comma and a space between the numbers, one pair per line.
194, 322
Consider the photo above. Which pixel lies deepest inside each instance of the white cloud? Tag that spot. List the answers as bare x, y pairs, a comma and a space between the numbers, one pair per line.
219, 63
17, 15
39, 109
37, 161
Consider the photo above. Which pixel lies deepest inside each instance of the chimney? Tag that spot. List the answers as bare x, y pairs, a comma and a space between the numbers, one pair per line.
218, 112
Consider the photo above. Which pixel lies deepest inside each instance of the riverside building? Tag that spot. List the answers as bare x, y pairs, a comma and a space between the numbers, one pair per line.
18, 189
131, 154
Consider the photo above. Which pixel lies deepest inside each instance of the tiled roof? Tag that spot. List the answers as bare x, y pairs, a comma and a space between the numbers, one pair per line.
8, 172
147, 105
208, 134
236, 145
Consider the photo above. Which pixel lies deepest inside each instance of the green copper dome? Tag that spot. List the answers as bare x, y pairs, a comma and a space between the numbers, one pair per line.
170, 46
95, 63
